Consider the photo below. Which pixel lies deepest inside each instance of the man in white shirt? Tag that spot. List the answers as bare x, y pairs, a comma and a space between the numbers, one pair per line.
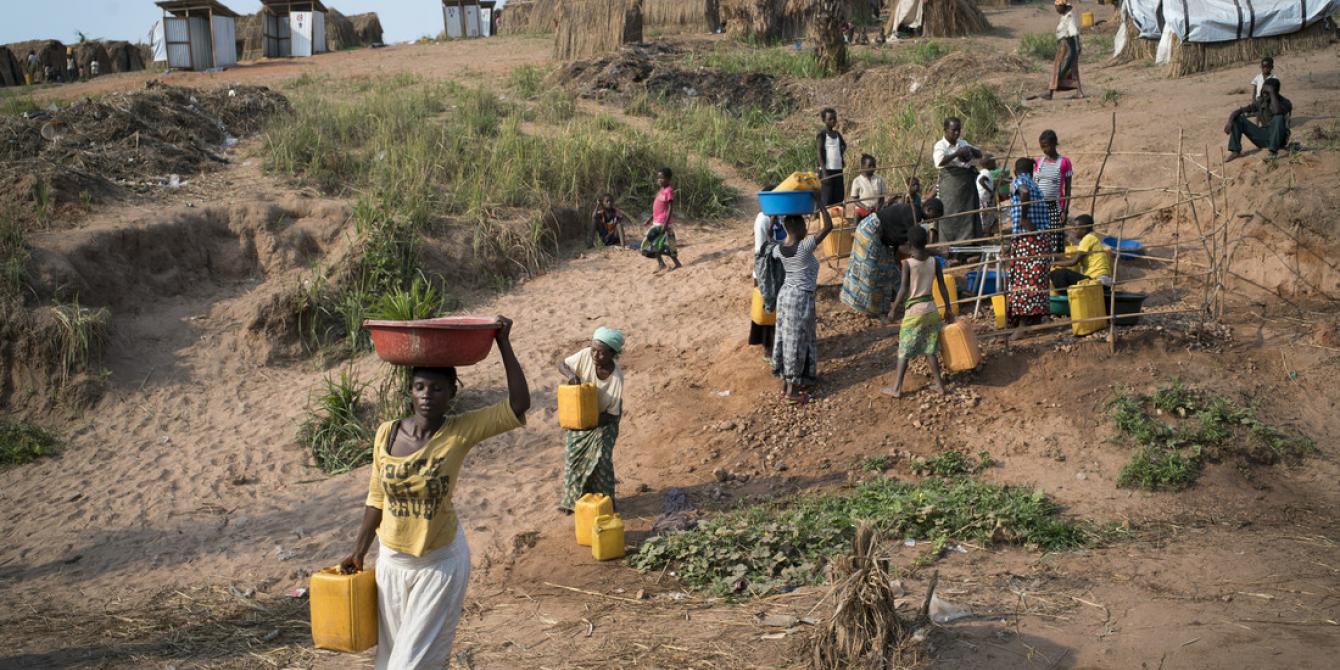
1267, 72
868, 189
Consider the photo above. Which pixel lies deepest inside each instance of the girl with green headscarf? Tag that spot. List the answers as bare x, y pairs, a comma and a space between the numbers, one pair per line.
589, 457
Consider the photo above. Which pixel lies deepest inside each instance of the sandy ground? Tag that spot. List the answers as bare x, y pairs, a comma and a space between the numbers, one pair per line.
186, 473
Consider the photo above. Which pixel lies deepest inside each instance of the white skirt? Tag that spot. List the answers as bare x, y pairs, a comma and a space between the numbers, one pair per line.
419, 602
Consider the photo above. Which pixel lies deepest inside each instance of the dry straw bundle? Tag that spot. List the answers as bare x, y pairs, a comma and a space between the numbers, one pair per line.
952, 18
865, 629
11, 73
1193, 57
681, 16
585, 28
527, 17
767, 20
1136, 47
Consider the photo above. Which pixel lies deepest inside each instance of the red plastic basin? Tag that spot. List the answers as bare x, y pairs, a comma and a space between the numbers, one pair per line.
450, 341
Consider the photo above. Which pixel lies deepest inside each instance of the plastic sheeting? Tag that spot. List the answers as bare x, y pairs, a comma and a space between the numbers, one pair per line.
1224, 20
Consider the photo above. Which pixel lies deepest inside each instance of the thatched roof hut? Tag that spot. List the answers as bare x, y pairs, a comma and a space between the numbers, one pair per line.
49, 52
1199, 37
937, 18
125, 57
585, 28
681, 16
527, 17
368, 28
87, 53
340, 32
10, 72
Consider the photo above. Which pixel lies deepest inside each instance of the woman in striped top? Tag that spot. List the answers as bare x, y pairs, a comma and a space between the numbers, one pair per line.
1053, 173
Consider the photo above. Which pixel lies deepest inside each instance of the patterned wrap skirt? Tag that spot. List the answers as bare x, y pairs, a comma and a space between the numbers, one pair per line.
872, 274
1029, 277
588, 463
1055, 222
919, 334
795, 351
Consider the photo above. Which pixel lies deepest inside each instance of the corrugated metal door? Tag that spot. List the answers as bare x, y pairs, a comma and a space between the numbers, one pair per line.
202, 57
452, 17
318, 32
472, 20
225, 41
300, 24
485, 21
177, 37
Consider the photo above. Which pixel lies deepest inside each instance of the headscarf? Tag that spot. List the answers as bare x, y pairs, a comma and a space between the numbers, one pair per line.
610, 338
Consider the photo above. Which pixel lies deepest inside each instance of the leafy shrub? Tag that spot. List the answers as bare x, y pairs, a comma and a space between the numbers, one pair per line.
24, 442
336, 429
762, 548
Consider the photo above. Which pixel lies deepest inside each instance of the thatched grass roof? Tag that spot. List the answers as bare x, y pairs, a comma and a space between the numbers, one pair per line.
681, 16
1193, 57
368, 28
527, 17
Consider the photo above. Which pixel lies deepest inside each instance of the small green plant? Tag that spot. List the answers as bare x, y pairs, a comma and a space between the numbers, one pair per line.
1176, 428
953, 464
557, 105
1097, 44
83, 332
923, 53
1041, 46
640, 104
15, 104
22, 442
877, 463
526, 81
759, 549
1111, 96
336, 430
307, 79
13, 256
420, 301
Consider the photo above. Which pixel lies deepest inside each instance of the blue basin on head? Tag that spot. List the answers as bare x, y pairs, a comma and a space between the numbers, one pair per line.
786, 203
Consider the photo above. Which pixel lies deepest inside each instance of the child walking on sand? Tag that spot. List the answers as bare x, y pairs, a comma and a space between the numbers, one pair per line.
660, 239
920, 331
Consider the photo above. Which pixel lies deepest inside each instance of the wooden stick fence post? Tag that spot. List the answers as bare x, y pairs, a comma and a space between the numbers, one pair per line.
1112, 300
1221, 286
1177, 213
1093, 202
1213, 259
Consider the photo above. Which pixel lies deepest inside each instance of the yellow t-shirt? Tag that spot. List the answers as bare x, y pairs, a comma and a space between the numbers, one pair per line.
414, 491
1095, 262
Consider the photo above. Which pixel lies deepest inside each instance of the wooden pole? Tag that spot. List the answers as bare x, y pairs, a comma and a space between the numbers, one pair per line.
1112, 300
1177, 213
1093, 203
1213, 259
1221, 286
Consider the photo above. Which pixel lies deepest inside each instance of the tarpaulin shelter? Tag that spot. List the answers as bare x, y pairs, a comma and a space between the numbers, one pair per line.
1196, 35
198, 34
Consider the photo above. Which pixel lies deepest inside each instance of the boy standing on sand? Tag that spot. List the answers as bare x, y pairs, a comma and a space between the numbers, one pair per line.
660, 239
919, 334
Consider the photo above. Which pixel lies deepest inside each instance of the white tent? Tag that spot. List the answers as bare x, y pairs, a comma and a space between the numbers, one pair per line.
1212, 21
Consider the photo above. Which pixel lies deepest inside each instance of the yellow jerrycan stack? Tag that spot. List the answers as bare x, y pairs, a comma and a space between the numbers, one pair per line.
951, 284
584, 514
799, 181
344, 610
958, 346
607, 537
578, 406
1086, 302
758, 314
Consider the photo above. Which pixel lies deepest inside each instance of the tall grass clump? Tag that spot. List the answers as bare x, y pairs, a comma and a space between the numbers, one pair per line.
1040, 46
13, 256
22, 442
82, 334
526, 81
921, 52
13, 104
336, 431
762, 548
1177, 429
781, 61
750, 139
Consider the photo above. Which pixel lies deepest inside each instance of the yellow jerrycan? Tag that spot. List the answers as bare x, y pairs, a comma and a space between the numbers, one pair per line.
584, 514
958, 346
607, 537
951, 284
1086, 302
344, 610
998, 306
578, 406
758, 314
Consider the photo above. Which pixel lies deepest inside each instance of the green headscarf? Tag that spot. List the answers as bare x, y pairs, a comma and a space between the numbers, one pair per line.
610, 338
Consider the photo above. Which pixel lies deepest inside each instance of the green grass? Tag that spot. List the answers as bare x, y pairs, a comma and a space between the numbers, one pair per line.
1177, 428
641, 103
17, 103
907, 130
526, 81
953, 464
1039, 46
336, 429
749, 139
786, 61
82, 334
1111, 96
763, 548
13, 256
921, 52
22, 442
420, 301
395, 146
878, 463
1097, 46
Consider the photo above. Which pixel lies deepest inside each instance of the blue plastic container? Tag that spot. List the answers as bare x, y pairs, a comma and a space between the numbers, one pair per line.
972, 279
786, 203
1129, 248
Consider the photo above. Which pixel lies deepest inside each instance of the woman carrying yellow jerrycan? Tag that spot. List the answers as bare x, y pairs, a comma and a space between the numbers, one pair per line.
589, 455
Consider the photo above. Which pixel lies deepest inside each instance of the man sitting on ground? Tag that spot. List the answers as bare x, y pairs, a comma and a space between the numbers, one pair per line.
1092, 258
1271, 131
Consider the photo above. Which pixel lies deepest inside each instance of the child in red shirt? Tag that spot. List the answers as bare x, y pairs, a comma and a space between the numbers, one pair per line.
660, 239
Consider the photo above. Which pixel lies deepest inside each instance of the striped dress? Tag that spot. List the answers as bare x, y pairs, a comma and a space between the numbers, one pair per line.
795, 355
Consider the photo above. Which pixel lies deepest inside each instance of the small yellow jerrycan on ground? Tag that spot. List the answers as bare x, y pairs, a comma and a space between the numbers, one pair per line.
344, 610
998, 307
584, 514
1086, 302
951, 285
607, 537
578, 406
